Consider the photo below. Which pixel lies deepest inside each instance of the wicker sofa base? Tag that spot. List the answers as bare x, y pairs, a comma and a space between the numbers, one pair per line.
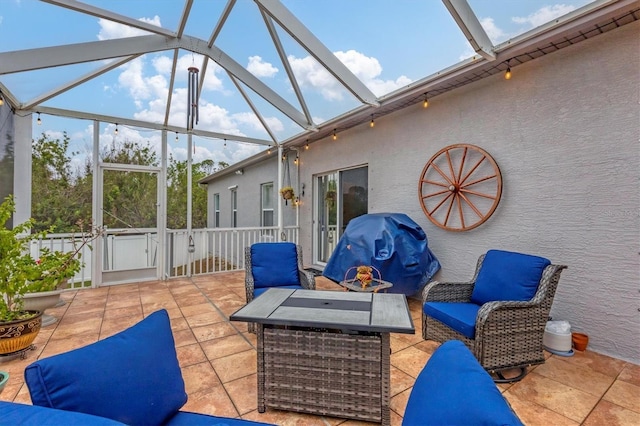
324, 372
509, 349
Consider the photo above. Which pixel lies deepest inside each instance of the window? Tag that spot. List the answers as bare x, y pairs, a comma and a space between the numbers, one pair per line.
234, 208
216, 210
266, 190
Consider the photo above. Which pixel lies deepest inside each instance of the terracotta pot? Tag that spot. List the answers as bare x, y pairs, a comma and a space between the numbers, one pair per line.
580, 341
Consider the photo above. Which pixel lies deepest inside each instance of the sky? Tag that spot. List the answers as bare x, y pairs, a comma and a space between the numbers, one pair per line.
386, 44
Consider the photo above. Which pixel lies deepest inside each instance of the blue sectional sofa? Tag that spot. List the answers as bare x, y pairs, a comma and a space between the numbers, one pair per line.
134, 378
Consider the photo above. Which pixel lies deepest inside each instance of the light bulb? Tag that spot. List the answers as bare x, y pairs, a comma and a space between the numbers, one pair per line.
335, 135
38, 120
507, 75
1, 100
116, 131
295, 161
306, 147
425, 104
372, 123
269, 151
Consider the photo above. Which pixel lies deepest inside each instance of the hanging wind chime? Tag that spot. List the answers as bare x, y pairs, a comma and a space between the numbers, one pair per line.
192, 97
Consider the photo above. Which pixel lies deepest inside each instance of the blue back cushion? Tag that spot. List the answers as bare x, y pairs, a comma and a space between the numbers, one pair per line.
506, 275
274, 265
132, 377
453, 389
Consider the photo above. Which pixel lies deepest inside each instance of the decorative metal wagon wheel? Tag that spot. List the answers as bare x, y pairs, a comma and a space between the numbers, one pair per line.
460, 187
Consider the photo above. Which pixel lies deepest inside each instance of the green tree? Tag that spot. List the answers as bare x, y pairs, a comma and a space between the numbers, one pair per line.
177, 192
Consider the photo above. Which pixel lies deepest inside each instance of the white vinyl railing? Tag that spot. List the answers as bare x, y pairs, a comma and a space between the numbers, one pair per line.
206, 251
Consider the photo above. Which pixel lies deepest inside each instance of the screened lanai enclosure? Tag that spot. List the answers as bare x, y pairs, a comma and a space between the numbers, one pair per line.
232, 82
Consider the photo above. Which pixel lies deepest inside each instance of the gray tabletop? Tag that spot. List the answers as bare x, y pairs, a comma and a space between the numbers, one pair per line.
374, 312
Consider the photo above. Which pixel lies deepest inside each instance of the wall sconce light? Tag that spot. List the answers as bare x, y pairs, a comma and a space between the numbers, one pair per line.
39, 121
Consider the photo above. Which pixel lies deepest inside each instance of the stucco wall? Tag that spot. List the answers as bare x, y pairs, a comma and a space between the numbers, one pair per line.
249, 186
564, 131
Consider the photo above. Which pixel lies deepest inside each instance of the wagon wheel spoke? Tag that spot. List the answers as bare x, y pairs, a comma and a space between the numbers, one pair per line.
456, 164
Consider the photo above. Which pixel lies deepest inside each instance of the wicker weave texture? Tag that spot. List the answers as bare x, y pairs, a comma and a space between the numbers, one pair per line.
325, 373
507, 334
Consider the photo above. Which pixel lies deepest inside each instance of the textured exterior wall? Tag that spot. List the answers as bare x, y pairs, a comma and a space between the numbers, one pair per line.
564, 131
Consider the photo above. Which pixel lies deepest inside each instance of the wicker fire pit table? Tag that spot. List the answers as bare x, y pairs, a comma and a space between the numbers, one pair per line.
326, 352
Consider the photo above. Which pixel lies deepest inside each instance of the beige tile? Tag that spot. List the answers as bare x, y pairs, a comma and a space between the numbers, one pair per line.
213, 401
411, 360
398, 403
225, 346
532, 414
565, 400
609, 414
630, 374
400, 381
625, 395
213, 331
577, 376
199, 377
184, 337
190, 354
244, 393
126, 311
233, 367
204, 319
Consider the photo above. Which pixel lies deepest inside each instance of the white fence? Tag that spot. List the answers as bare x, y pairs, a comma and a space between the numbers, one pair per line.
205, 251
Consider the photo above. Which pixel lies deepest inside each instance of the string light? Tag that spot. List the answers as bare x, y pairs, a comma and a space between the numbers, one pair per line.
39, 121
116, 131
372, 123
335, 135
225, 144
1, 98
306, 147
425, 104
176, 136
507, 74
296, 160
269, 151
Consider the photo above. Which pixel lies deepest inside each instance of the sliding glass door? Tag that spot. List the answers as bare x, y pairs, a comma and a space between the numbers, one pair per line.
340, 196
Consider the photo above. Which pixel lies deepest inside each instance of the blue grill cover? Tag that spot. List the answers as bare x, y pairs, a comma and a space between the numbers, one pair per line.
390, 242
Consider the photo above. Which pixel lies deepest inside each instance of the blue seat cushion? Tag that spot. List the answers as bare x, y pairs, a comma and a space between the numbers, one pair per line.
258, 291
454, 389
185, 418
459, 316
132, 377
12, 413
274, 265
507, 275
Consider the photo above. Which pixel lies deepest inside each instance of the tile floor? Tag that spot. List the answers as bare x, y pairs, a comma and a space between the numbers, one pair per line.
218, 357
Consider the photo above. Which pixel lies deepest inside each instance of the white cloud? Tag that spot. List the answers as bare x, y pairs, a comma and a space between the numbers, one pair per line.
543, 15
368, 69
260, 68
111, 30
495, 33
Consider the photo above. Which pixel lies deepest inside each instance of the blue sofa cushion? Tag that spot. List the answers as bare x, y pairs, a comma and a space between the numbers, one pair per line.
506, 275
453, 389
274, 265
132, 377
12, 413
459, 316
185, 418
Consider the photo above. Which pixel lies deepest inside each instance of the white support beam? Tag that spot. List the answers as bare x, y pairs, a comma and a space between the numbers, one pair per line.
74, 83
254, 109
146, 125
319, 51
46, 57
185, 16
471, 27
110, 16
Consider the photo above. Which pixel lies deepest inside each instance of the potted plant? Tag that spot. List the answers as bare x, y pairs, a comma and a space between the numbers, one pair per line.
287, 192
21, 274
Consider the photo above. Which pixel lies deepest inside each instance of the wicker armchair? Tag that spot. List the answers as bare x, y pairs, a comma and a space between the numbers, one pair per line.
502, 334
274, 265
